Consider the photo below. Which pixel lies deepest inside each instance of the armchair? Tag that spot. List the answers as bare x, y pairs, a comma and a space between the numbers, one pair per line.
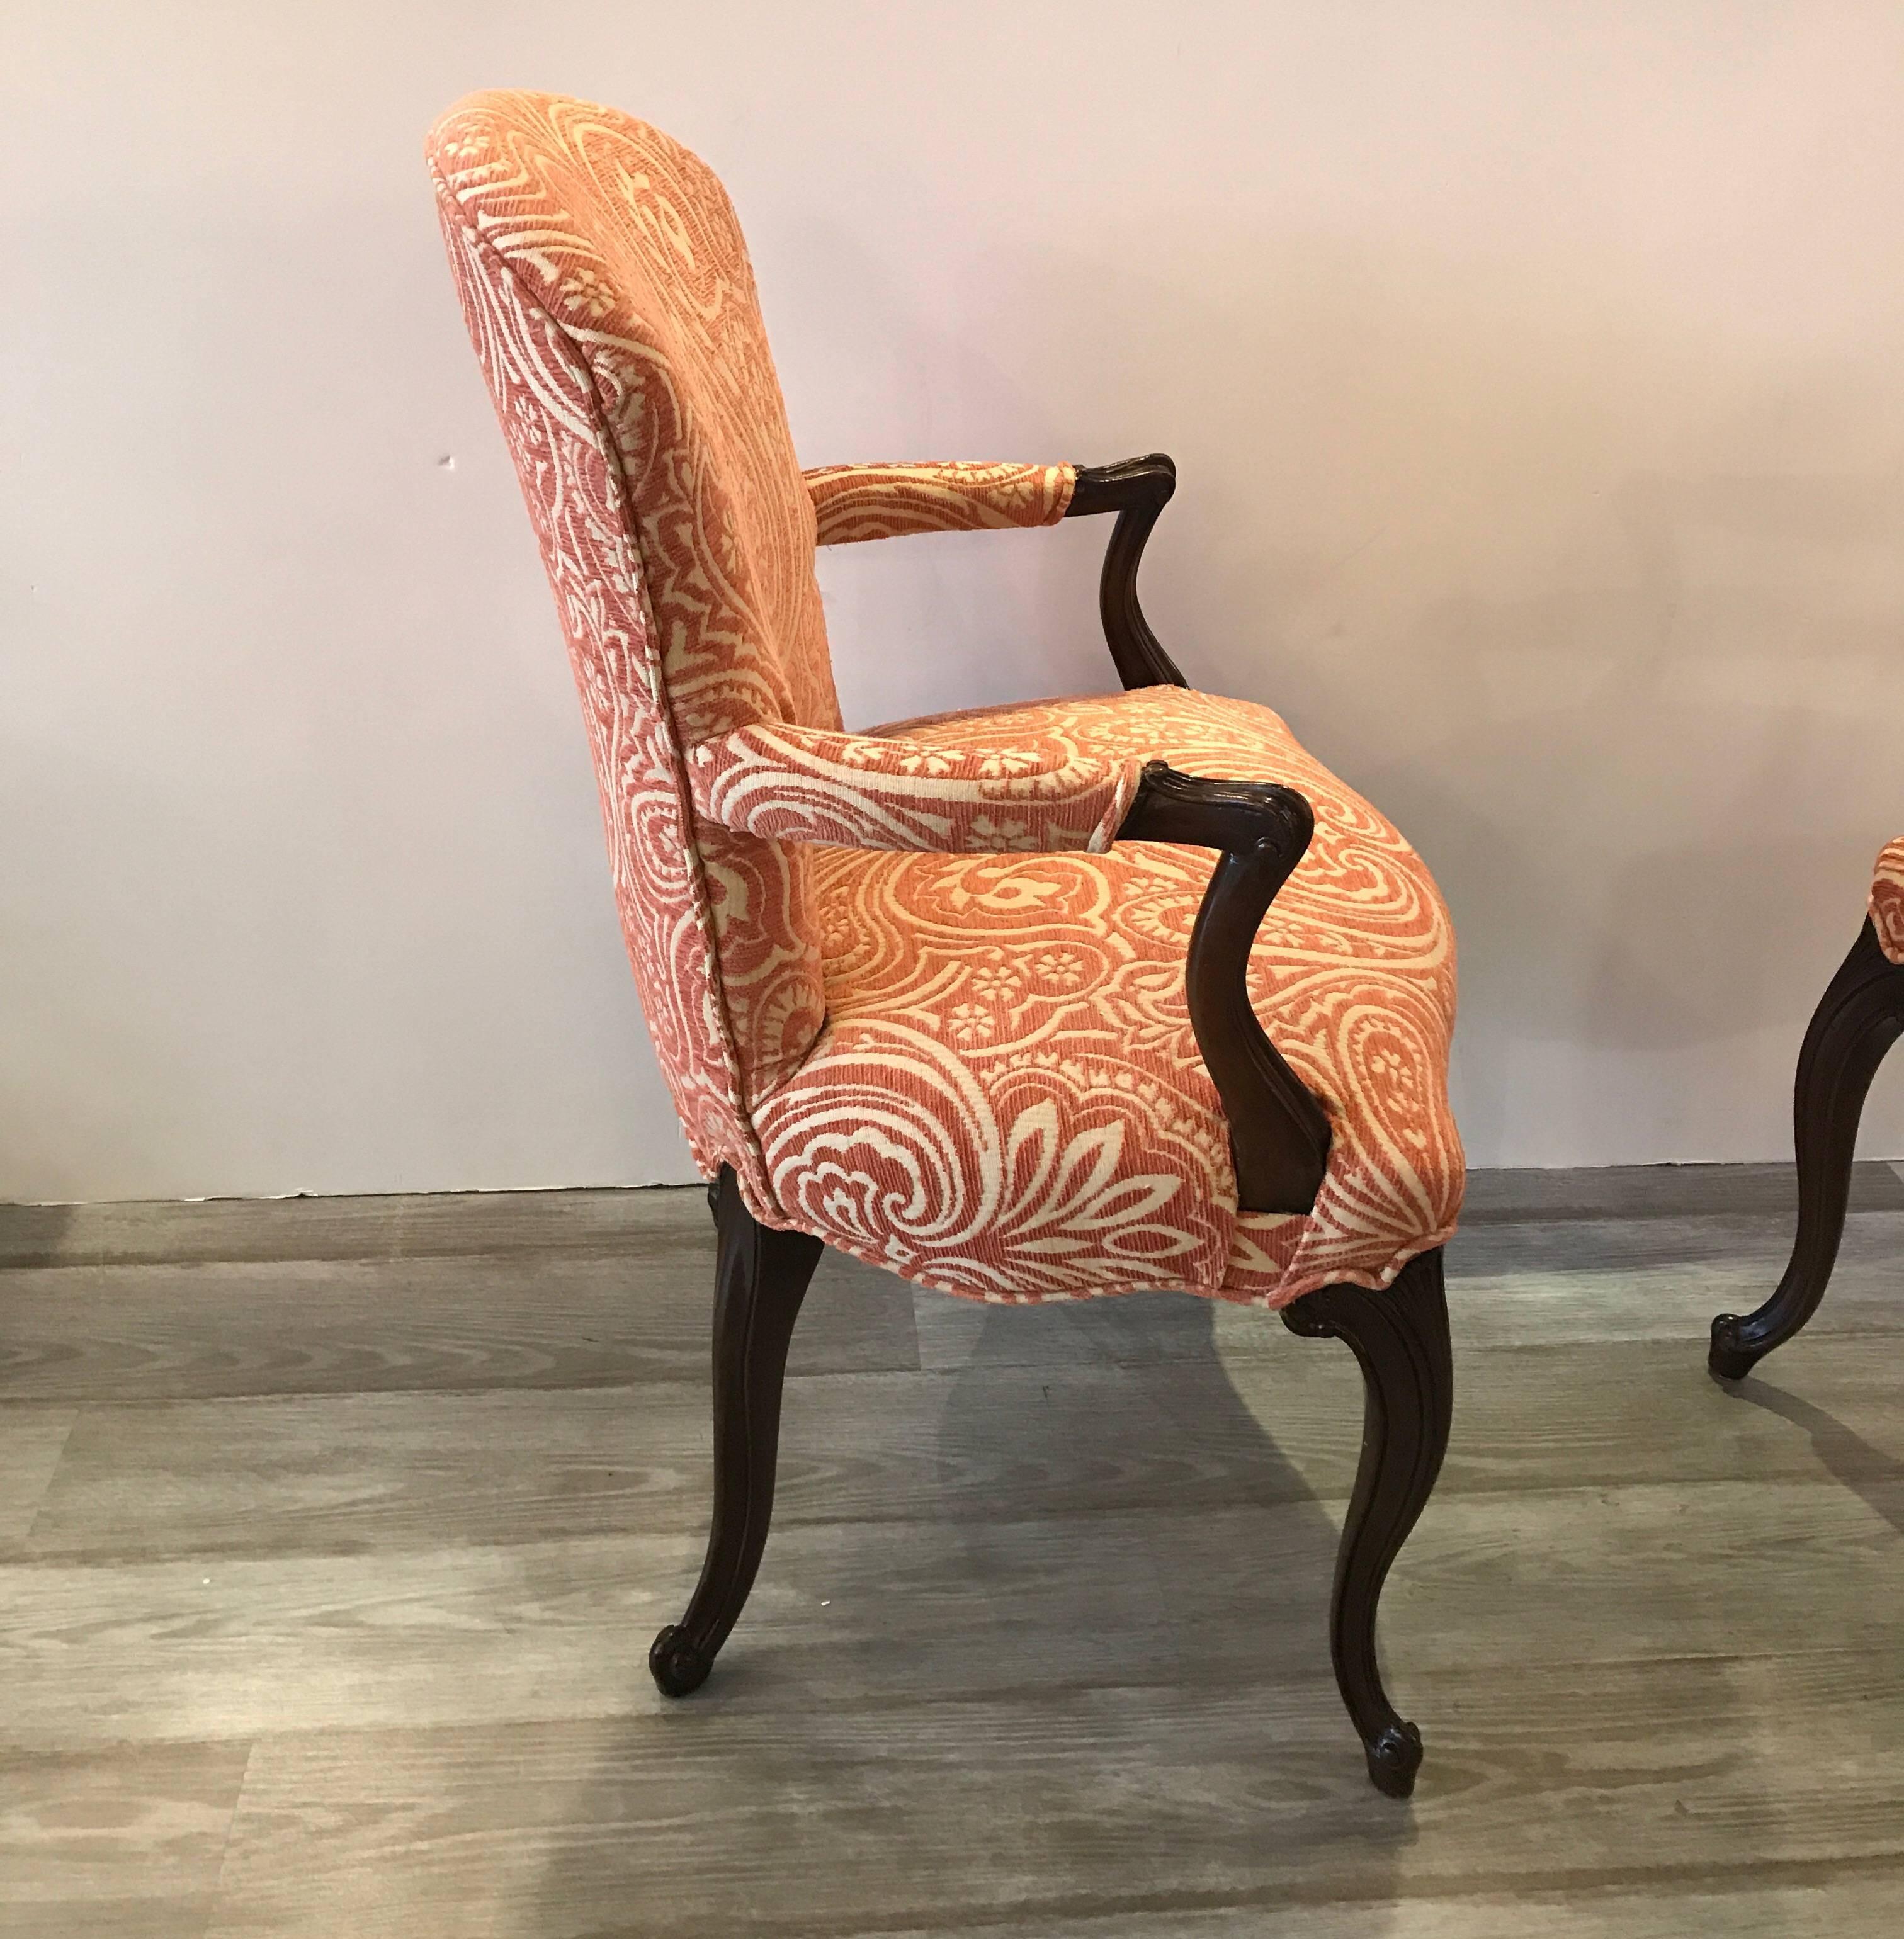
979, 999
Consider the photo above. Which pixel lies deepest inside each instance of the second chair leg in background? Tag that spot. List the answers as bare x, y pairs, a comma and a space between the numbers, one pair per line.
1856, 1021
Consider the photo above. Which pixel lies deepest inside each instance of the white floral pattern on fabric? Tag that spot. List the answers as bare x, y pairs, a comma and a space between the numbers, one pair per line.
1008, 1100
573, 485
1887, 904
972, 1065
577, 221
852, 503
862, 791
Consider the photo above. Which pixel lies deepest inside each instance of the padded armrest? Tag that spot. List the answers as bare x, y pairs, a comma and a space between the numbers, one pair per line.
841, 790
853, 502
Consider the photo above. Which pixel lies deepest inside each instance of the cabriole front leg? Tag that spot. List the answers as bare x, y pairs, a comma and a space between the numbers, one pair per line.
1401, 1338
760, 1277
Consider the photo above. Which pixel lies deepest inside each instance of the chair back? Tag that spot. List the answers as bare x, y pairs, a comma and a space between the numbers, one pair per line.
610, 299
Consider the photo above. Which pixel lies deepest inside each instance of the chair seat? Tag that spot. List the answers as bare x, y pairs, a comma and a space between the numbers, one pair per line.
1008, 1100
1887, 899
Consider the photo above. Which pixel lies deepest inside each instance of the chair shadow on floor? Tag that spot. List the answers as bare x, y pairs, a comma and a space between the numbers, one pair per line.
1088, 1674
1870, 1473
34, 1235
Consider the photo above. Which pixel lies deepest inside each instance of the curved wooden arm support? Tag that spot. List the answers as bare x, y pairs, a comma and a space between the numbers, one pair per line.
1137, 490
1278, 1133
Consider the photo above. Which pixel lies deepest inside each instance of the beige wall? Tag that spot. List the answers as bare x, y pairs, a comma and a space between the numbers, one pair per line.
1536, 375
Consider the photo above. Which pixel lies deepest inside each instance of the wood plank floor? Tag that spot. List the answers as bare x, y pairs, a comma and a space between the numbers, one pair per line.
333, 1533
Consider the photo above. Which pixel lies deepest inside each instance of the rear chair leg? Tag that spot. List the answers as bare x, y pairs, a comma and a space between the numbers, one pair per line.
1400, 1336
760, 1277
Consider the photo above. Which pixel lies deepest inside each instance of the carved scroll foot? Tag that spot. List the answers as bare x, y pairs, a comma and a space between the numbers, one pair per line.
1728, 1356
1393, 1758
678, 1665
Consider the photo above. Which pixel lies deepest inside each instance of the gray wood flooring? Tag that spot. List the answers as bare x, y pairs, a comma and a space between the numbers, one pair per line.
333, 1533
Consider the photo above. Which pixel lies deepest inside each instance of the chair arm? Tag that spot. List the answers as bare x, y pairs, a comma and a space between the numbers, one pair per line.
1137, 490
1279, 1134
792, 783
852, 503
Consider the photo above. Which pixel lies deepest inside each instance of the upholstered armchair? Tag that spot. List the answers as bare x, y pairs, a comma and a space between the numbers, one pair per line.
1043, 1002
1858, 1019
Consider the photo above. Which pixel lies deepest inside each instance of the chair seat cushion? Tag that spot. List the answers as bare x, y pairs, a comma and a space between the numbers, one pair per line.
1008, 1100
1887, 900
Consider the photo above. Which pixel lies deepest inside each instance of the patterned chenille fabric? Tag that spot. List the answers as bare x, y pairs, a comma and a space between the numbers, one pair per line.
877, 791
901, 981
1008, 1100
852, 502
1887, 899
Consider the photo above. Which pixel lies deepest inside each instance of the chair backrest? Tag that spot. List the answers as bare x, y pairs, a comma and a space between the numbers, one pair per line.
608, 294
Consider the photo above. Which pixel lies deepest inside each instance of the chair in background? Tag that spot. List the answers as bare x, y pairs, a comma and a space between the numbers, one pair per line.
1858, 1019
978, 999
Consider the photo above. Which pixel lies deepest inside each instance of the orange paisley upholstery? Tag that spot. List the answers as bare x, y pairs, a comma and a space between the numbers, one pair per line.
1008, 1099
852, 502
900, 981
608, 294
1887, 900
874, 791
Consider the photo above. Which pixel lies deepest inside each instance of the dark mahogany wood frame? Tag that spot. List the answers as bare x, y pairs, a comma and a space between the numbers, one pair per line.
1280, 1136
1859, 1018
